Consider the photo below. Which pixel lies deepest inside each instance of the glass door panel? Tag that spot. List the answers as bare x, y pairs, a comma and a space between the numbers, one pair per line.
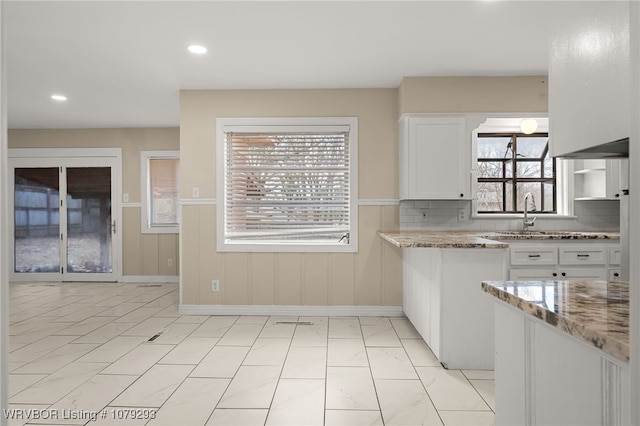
36, 206
88, 221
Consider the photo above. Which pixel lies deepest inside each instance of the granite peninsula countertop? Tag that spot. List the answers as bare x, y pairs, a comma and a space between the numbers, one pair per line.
596, 312
483, 239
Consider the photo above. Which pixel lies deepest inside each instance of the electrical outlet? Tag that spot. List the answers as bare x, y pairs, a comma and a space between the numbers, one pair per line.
195, 192
169, 262
462, 215
215, 286
125, 197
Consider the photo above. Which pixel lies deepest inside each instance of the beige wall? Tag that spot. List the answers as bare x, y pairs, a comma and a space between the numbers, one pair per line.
472, 94
143, 254
370, 277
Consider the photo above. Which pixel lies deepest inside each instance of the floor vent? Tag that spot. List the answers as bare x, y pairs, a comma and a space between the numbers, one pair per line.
295, 322
149, 285
154, 337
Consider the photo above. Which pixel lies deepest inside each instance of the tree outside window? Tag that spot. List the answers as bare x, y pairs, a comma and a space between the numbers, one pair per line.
510, 165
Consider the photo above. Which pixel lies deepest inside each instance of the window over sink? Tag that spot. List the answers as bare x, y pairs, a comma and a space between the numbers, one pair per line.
510, 165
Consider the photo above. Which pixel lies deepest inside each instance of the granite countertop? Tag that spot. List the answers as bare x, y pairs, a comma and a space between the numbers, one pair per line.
483, 239
441, 239
596, 312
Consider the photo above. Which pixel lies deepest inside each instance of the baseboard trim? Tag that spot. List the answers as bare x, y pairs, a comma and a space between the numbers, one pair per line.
289, 310
150, 279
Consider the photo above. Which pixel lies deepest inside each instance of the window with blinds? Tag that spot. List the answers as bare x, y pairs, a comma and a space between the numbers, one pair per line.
160, 172
288, 186
163, 191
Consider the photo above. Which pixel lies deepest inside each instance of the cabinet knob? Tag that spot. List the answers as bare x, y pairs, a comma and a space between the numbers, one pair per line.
555, 274
615, 274
564, 274
461, 195
617, 195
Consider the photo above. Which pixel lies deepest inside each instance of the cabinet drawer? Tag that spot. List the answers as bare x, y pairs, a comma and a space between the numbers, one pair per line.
582, 255
533, 255
614, 255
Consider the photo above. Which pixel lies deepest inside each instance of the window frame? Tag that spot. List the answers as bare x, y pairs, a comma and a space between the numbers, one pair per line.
145, 193
514, 180
270, 124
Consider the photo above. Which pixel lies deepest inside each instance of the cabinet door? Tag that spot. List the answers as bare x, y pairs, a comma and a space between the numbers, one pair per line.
568, 273
598, 179
614, 178
566, 380
589, 77
543, 274
584, 273
434, 158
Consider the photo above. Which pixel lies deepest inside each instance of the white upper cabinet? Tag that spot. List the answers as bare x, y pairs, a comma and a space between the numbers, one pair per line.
598, 179
589, 77
434, 157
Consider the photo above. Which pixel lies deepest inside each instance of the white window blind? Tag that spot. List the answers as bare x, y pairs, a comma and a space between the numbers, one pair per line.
163, 190
160, 190
287, 185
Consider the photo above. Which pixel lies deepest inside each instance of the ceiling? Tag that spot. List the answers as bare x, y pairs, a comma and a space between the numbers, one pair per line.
122, 64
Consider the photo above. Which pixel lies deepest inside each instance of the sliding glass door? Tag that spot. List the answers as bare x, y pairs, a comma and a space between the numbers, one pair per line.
87, 246
64, 222
36, 209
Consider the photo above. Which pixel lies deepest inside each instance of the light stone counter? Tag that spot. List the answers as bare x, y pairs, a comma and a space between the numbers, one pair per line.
596, 312
483, 239
439, 239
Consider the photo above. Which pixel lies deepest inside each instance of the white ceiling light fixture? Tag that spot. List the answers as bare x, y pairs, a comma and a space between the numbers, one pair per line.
58, 97
197, 49
528, 126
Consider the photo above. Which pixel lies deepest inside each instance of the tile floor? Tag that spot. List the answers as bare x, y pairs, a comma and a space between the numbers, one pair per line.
83, 350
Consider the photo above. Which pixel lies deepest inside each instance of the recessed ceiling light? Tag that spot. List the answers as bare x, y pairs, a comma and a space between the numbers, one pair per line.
59, 97
197, 49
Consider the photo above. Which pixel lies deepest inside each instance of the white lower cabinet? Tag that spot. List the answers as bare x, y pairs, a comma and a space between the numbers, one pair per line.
442, 298
545, 377
561, 260
565, 273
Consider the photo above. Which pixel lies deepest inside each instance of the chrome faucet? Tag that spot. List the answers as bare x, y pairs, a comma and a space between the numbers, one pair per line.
525, 221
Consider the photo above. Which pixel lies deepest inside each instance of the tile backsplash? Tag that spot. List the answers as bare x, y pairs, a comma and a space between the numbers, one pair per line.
437, 215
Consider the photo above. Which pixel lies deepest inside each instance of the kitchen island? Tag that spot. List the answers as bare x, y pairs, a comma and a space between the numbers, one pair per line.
442, 272
562, 352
